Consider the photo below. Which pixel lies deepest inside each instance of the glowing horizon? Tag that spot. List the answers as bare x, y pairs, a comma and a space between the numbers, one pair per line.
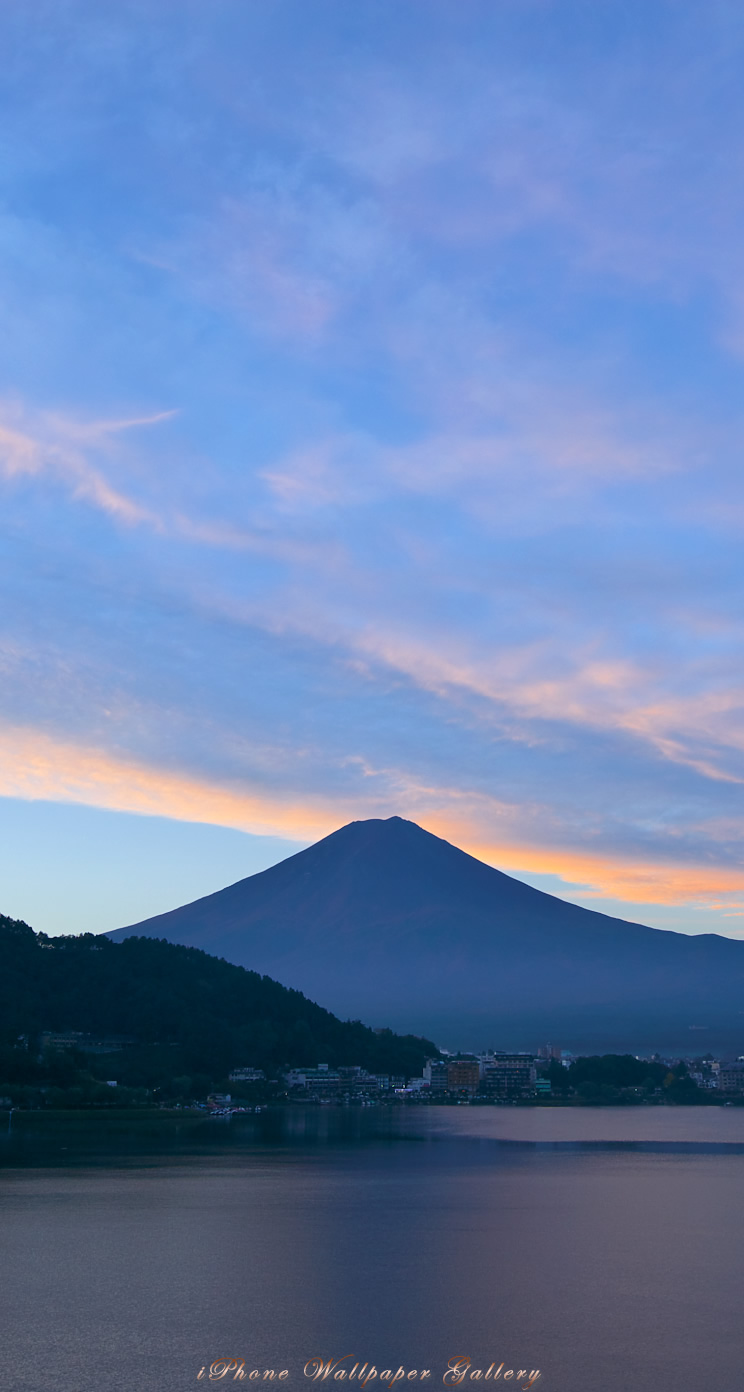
35, 767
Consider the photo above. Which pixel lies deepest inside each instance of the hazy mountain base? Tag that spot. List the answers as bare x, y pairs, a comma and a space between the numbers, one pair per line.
191, 1018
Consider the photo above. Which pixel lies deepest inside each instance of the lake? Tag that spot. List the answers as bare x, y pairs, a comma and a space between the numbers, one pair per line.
603, 1247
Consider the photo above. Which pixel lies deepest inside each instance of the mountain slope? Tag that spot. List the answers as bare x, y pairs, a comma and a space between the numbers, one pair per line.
188, 1012
385, 922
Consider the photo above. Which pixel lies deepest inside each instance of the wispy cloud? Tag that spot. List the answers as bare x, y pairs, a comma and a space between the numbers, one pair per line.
702, 731
59, 448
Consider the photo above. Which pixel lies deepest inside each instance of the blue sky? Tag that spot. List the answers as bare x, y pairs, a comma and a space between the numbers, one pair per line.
371, 425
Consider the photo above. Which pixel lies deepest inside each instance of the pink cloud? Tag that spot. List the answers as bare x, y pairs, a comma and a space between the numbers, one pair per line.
47, 444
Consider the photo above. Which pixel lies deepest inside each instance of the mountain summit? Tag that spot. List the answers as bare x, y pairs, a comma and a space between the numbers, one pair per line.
384, 922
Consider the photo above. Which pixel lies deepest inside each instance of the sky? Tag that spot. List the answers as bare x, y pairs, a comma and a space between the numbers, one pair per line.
371, 434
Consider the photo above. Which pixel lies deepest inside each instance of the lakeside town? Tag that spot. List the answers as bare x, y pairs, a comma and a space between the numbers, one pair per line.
76, 1069
551, 1074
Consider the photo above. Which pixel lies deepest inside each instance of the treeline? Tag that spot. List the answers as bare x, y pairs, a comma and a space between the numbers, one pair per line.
612, 1078
191, 1018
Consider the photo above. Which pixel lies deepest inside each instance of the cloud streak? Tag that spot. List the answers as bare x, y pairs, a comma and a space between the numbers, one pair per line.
37, 765
57, 447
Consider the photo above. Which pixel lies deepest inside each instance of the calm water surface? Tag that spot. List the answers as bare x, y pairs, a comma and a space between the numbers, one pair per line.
604, 1247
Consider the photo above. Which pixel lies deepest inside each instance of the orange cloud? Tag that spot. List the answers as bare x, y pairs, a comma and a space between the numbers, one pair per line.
36, 765
633, 881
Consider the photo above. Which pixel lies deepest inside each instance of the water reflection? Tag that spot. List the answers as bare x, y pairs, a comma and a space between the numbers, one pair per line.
68, 1138
151, 1246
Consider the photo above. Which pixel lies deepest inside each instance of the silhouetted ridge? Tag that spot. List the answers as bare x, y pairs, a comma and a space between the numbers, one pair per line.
165, 1012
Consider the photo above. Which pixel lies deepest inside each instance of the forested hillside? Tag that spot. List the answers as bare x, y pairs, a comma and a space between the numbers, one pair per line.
187, 1018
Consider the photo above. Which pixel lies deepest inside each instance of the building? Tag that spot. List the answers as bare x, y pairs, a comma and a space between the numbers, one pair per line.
342, 1083
435, 1074
85, 1043
731, 1078
317, 1082
506, 1077
357, 1082
60, 1039
463, 1075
